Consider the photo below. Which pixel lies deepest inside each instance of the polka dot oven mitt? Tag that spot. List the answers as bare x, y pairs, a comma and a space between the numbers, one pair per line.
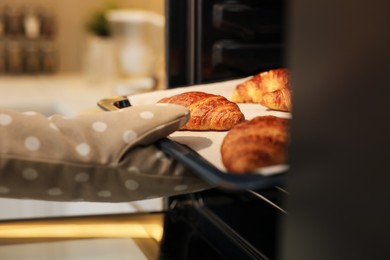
97, 139
145, 172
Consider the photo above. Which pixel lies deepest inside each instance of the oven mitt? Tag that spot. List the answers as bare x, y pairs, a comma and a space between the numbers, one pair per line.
145, 172
96, 139
100, 157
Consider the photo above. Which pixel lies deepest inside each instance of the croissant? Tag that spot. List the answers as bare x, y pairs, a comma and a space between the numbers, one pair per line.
271, 89
259, 142
207, 111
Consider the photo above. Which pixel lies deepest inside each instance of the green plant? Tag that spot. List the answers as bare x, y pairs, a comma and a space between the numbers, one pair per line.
98, 23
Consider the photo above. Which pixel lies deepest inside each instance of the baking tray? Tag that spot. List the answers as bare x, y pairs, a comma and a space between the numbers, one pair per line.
191, 148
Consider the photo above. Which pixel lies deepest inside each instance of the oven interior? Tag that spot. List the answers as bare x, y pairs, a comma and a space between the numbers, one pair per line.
209, 41
214, 40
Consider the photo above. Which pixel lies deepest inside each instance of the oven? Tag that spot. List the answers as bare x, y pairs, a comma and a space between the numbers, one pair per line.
211, 41
336, 191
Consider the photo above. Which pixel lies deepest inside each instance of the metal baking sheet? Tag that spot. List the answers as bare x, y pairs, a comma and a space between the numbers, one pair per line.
200, 150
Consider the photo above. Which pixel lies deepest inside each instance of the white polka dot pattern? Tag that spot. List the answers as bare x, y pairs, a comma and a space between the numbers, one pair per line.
59, 138
131, 184
81, 177
83, 149
54, 191
30, 174
133, 169
99, 126
32, 143
104, 193
129, 136
5, 119
146, 115
180, 187
86, 157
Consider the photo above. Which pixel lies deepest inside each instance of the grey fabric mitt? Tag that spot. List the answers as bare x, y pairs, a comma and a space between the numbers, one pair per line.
106, 156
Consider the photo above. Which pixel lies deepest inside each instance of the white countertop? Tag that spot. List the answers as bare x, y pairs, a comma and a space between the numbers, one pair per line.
66, 94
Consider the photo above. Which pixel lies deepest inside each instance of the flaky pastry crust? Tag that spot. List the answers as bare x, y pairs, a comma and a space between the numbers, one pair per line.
259, 142
207, 111
271, 89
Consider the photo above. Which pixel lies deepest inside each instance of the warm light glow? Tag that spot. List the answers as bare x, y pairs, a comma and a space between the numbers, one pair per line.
84, 230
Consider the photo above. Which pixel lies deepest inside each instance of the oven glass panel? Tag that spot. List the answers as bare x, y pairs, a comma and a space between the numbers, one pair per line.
209, 41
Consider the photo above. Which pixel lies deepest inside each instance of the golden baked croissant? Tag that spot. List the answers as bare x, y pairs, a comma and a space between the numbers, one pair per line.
207, 111
271, 89
259, 142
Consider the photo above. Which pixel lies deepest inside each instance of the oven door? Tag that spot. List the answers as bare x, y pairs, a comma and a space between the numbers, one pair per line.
214, 40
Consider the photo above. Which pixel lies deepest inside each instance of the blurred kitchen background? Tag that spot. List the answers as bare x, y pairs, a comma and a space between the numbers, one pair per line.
61, 57
67, 21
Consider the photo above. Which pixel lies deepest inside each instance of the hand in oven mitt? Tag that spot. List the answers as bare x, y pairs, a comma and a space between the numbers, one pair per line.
95, 139
144, 172
102, 157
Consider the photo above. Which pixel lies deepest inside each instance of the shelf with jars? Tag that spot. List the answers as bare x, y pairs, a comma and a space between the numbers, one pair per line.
27, 40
